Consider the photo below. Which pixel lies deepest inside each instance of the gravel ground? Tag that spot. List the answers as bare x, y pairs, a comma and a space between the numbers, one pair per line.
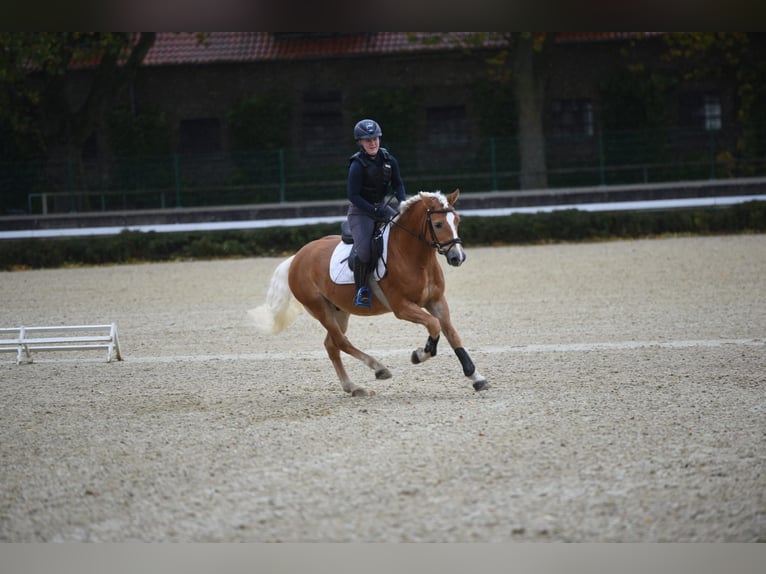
628, 403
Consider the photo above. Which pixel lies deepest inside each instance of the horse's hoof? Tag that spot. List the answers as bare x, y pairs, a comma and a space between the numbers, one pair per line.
362, 393
415, 358
383, 374
481, 385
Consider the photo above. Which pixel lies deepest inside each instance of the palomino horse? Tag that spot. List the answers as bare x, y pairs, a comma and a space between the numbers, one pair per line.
413, 288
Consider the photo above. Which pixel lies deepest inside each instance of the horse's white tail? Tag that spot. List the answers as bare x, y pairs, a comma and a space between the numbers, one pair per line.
281, 307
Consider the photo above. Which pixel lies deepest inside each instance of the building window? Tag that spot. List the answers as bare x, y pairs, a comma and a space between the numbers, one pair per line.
90, 148
572, 118
447, 125
701, 110
199, 136
322, 122
711, 111
321, 130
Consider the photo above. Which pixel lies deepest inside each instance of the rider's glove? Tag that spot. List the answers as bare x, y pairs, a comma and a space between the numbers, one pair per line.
380, 214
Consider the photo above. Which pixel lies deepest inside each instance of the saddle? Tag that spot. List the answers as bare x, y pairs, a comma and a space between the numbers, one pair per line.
376, 249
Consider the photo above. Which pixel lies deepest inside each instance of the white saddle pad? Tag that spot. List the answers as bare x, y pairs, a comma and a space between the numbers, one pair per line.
339, 270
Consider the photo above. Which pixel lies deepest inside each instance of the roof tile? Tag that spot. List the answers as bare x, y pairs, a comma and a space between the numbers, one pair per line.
173, 48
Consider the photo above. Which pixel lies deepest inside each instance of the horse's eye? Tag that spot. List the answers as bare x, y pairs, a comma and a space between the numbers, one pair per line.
439, 225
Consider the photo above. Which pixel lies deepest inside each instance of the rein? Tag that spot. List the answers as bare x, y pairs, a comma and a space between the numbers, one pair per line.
444, 247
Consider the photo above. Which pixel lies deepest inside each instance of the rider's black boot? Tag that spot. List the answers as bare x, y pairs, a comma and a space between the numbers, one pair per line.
363, 296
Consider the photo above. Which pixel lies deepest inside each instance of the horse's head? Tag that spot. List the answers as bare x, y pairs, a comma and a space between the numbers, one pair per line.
440, 223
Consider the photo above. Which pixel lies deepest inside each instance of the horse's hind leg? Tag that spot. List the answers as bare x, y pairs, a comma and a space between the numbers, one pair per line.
336, 323
333, 351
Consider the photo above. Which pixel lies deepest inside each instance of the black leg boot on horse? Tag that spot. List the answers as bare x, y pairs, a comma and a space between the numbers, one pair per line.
363, 296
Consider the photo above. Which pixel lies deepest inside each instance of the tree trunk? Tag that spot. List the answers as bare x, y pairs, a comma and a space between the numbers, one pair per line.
68, 125
530, 74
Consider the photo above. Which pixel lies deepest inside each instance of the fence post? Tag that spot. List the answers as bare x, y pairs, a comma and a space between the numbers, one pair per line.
712, 154
282, 185
493, 160
70, 185
601, 165
177, 178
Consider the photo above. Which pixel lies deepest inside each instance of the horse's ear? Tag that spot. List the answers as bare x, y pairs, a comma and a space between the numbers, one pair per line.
452, 197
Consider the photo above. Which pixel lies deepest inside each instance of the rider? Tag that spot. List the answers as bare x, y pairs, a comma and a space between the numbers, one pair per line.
371, 173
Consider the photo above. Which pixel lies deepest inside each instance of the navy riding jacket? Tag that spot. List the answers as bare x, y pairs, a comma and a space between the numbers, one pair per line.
369, 179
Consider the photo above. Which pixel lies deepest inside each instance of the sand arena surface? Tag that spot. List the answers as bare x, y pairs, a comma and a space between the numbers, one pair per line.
628, 404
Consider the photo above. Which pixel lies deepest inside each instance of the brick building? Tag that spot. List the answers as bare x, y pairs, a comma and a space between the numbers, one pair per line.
442, 115
324, 76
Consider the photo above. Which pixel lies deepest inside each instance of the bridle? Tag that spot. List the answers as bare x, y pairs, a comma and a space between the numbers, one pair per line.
442, 247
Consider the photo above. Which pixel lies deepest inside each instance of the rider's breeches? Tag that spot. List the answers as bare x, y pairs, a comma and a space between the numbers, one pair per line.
362, 226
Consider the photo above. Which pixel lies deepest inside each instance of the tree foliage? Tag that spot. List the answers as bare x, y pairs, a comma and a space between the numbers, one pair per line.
497, 109
141, 133
726, 58
260, 122
42, 105
635, 101
395, 109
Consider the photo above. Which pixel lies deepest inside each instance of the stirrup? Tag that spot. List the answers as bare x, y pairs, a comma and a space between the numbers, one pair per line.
363, 297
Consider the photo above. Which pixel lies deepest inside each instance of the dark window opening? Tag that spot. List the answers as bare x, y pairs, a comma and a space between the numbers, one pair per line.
90, 148
701, 110
199, 136
447, 125
572, 118
322, 122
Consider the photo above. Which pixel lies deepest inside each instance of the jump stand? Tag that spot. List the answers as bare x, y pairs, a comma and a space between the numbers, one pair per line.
24, 340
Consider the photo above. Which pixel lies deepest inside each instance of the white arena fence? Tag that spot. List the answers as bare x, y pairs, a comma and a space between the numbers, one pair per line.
653, 204
24, 340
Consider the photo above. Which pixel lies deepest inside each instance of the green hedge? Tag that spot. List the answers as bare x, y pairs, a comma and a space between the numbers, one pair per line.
575, 225
558, 226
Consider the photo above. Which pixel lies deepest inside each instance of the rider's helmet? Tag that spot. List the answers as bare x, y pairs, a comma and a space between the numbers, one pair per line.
367, 129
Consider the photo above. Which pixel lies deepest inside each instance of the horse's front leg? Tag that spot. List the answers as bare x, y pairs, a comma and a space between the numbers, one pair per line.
440, 310
437, 320
424, 353
408, 311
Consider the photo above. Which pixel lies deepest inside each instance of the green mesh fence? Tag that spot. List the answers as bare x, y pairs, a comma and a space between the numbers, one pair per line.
296, 175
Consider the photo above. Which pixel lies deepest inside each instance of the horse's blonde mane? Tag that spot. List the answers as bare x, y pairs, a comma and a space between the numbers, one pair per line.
437, 195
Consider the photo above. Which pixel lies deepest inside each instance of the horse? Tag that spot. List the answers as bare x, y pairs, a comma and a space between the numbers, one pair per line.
412, 288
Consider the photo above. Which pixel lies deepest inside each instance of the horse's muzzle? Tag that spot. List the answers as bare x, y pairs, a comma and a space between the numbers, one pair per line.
455, 256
